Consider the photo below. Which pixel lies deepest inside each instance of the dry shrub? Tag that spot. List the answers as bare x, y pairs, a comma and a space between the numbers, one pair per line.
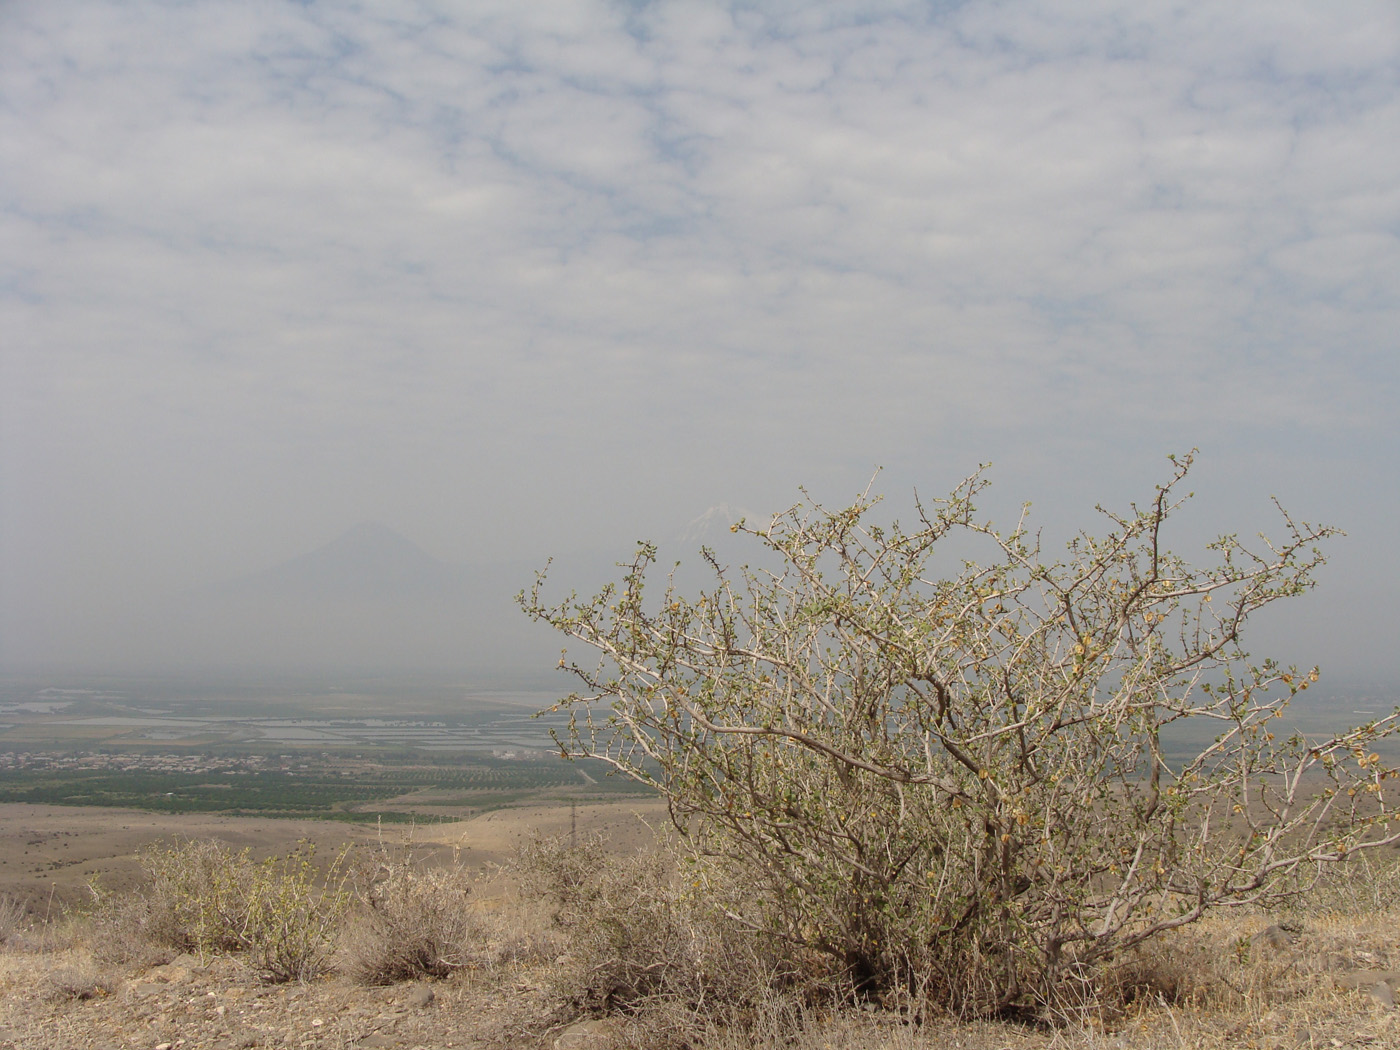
962, 788
283, 913
11, 918
69, 984
640, 938
414, 922
1366, 883
133, 931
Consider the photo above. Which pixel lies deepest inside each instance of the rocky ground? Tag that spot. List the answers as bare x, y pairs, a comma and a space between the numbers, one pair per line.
1323, 976
1322, 986
56, 1002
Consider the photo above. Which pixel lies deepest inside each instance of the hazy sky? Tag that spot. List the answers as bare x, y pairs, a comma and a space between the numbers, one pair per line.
522, 278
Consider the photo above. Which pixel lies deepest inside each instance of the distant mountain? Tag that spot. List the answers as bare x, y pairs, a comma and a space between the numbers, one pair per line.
715, 524
371, 598
370, 563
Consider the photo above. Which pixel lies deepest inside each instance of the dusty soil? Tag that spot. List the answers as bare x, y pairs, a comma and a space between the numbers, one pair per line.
190, 1003
1315, 989
55, 996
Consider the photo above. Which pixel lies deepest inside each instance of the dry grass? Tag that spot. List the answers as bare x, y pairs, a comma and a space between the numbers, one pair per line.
1239, 978
77, 983
641, 940
414, 921
129, 933
564, 934
11, 918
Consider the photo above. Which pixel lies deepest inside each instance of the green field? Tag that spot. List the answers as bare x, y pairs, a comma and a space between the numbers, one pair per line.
390, 793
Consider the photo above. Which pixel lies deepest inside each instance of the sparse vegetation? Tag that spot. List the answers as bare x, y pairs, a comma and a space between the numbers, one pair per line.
625, 939
282, 913
11, 918
70, 983
909, 811
134, 930
959, 789
413, 923
640, 938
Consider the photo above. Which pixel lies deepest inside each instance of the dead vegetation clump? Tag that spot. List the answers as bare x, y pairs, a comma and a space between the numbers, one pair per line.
77, 984
642, 936
412, 923
409, 921
133, 932
11, 918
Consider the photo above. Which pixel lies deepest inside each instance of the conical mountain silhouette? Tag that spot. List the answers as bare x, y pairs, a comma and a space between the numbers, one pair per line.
371, 562
713, 525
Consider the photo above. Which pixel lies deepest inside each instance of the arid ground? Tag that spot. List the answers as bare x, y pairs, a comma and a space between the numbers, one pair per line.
1323, 976
51, 855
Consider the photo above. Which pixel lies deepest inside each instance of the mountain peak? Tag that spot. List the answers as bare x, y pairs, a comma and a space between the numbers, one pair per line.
713, 524
369, 562
372, 534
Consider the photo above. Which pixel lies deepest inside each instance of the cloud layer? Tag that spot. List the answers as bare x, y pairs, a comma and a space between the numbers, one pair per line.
519, 277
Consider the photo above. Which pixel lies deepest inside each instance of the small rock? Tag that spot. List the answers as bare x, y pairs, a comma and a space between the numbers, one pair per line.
1274, 937
587, 1035
1369, 978
421, 995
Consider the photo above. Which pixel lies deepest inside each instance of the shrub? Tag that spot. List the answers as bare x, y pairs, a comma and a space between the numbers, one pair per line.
11, 918
640, 935
73, 984
963, 788
133, 931
415, 922
1366, 884
281, 912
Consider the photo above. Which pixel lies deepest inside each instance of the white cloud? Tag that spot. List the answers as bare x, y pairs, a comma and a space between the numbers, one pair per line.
309, 262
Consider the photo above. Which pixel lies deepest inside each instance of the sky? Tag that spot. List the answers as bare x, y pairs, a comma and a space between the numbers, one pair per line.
521, 280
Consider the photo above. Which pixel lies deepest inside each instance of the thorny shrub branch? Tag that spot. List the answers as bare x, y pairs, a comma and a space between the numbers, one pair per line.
976, 785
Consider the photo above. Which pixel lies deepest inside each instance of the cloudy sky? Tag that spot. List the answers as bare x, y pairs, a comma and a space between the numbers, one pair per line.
528, 278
